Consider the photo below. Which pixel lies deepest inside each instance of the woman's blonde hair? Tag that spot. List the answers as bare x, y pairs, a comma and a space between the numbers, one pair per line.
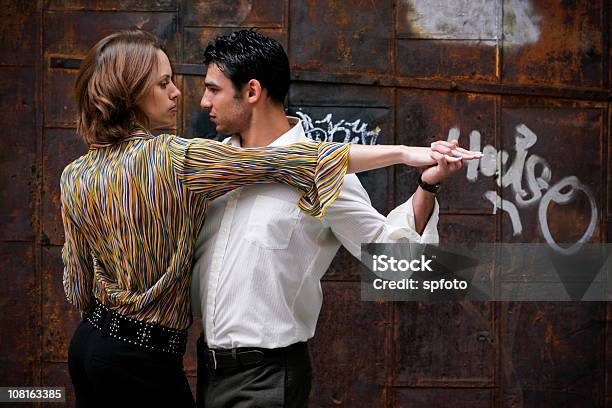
114, 76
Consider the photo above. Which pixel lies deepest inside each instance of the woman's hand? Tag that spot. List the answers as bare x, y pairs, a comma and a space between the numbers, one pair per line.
422, 156
448, 157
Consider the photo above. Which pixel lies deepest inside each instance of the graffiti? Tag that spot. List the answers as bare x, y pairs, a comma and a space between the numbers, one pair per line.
520, 23
325, 130
475, 20
537, 173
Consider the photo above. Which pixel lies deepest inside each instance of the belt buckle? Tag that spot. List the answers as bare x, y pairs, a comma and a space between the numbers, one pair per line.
214, 358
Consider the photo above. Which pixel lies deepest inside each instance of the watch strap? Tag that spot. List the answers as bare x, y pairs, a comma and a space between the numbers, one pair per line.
432, 188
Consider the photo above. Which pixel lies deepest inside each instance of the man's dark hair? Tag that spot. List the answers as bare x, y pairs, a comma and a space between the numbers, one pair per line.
247, 54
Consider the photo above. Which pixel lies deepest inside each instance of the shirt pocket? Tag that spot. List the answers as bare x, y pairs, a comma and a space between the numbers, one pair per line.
272, 222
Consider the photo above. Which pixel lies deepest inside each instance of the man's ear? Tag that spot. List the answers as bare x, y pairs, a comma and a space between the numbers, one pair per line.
253, 91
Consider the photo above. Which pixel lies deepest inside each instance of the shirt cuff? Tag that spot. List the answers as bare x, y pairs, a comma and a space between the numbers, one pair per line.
332, 164
401, 225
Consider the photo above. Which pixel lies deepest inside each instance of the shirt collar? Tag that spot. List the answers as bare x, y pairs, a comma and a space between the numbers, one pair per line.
293, 135
137, 131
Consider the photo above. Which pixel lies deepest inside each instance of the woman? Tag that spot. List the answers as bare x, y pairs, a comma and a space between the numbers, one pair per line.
132, 208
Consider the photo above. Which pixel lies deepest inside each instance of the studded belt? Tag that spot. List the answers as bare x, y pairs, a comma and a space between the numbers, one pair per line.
149, 336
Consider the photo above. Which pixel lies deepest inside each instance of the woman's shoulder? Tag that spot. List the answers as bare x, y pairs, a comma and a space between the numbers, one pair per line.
73, 167
178, 142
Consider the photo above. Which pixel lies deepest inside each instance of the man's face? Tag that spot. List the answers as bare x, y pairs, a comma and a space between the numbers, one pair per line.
227, 108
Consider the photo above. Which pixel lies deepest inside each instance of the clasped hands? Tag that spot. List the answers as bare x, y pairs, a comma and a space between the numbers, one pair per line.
441, 160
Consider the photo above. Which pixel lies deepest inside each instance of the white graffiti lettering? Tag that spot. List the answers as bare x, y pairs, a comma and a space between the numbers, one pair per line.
325, 130
525, 167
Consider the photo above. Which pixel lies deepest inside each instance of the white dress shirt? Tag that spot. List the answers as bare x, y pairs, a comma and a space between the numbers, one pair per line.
259, 260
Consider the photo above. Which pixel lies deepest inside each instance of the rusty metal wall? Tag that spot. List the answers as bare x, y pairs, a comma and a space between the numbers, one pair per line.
401, 71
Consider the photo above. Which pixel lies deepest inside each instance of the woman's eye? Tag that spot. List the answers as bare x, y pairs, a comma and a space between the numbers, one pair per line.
163, 85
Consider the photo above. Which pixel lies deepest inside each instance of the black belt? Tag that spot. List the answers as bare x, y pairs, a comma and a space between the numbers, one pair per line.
147, 335
216, 359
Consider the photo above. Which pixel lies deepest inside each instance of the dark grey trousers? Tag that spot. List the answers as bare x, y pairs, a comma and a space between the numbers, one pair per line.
282, 380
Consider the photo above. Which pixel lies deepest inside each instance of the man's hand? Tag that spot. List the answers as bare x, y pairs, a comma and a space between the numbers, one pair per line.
422, 156
448, 157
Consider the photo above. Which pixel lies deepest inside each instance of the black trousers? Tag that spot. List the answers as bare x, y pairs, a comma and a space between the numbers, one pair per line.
107, 372
282, 380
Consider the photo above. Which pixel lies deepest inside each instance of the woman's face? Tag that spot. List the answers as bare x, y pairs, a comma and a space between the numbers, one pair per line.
160, 103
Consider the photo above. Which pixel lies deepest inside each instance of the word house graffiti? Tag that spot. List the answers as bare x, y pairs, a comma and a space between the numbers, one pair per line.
538, 190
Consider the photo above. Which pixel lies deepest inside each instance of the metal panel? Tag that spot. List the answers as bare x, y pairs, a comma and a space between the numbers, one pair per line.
120, 5
342, 122
440, 397
426, 116
84, 30
461, 229
456, 20
341, 95
330, 36
608, 355
74, 33
444, 344
608, 138
18, 153
56, 375
552, 354
60, 147
219, 13
195, 120
349, 352
566, 45
60, 318
345, 267
193, 381
451, 40
18, 34
350, 114
354, 114
196, 39
458, 60
20, 318
59, 102
552, 136
190, 360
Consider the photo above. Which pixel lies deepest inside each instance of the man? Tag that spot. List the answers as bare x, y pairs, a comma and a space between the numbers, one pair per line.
258, 259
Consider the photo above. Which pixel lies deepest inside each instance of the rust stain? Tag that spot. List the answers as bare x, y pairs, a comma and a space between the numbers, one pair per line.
344, 52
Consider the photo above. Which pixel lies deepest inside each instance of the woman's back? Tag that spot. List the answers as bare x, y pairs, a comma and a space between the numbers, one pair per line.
133, 215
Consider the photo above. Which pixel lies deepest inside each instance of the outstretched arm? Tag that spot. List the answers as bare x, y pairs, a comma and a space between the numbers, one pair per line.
363, 158
317, 169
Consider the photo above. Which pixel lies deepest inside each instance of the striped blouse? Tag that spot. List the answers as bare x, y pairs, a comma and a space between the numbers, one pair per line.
133, 210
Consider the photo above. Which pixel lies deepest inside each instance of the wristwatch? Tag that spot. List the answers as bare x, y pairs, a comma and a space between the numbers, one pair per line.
432, 188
